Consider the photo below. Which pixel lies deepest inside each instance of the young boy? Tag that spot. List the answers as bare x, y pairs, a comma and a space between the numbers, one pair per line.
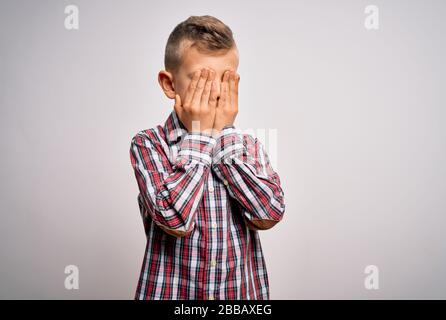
205, 188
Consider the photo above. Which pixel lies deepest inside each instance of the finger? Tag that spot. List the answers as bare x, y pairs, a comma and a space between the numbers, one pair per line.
214, 94
231, 81
233, 84
224, 91
207, 89
191, 89
200, 87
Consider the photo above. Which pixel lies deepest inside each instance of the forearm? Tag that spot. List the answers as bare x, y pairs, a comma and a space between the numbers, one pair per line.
172, 195
245, 170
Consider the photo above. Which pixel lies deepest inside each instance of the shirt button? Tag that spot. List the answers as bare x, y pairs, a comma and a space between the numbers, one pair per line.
211, 297
211, 189
214, 225
225, 182
213, 263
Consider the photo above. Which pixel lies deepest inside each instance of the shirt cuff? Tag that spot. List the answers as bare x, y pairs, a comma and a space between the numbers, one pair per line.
196, 147
229, 145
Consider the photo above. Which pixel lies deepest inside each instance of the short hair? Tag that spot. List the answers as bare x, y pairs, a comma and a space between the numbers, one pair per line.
206, 33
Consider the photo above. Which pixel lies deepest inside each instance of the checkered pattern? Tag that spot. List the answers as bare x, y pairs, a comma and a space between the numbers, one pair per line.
203, 200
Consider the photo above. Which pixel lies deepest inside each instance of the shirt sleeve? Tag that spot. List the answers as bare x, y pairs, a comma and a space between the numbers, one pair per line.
172, 193
244, 167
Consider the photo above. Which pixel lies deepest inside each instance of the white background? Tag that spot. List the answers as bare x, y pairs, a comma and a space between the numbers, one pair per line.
361, 141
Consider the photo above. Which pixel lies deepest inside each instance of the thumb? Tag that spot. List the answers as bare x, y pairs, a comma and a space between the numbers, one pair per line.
178, 108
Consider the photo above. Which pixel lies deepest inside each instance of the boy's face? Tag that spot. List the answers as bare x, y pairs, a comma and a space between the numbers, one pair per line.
194, 60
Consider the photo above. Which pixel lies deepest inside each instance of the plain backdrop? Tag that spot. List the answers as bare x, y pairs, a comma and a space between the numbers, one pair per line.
359, 116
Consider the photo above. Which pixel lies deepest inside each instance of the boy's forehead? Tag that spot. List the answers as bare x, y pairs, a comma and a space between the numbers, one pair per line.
194, 60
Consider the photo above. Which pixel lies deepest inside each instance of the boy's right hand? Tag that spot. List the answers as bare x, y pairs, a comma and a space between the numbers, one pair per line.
197, 112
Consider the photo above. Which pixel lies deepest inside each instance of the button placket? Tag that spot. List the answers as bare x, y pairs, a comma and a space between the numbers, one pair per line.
212, 238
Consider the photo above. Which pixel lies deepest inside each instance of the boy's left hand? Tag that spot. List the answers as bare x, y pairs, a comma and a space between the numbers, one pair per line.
227, 106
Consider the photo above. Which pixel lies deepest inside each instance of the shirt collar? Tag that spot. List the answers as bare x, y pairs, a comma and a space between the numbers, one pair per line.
173, 128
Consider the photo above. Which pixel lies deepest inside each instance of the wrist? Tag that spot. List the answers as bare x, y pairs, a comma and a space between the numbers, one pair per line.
196, 147
221, 127
229, 144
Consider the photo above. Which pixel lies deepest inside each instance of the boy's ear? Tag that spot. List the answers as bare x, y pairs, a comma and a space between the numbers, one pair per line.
165, 80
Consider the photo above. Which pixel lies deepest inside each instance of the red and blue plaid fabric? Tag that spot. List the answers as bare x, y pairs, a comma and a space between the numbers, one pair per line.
203, 200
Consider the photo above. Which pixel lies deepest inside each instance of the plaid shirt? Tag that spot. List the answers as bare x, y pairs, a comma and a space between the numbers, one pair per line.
202, 200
